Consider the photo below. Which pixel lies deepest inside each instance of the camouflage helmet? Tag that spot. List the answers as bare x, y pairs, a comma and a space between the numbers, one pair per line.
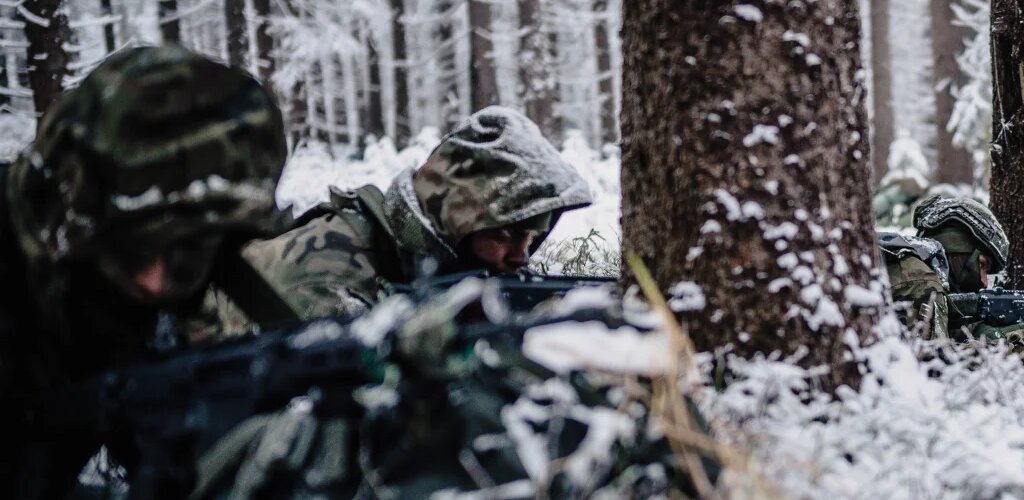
493, 170
937, 211
156, 142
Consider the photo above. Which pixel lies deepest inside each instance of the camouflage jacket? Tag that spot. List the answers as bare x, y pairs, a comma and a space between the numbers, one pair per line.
918, 274
493, 170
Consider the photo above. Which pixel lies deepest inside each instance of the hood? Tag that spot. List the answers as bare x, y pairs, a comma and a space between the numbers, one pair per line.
493, 170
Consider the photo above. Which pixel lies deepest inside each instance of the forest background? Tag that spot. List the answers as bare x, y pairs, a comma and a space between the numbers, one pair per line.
368, 85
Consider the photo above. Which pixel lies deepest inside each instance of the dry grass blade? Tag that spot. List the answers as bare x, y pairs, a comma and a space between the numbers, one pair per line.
686, 441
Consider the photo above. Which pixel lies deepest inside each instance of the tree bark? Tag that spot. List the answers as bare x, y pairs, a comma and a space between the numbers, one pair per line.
954, 163
402, 123
483, 78
537, 85
46, 30
744, 171
237, 35
882, 133
170, 26
264, 42
1007, 182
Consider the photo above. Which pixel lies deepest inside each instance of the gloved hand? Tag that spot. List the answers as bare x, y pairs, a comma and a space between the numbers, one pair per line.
1013, 335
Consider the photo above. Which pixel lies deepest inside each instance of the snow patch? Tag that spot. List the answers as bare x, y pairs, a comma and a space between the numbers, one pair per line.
687, 296
749, 12
768, 134
568, 346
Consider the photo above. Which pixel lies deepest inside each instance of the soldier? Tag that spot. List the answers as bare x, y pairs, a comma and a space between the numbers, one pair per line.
140, 188
485, 198
959, 245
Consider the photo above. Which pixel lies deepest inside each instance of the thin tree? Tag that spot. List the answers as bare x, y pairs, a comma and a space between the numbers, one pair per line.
537, 85
170, 25
237, 32
109, 39
882, 133
47, 32
954, 163
745, 176
373, 112
264, 41
483, 78
447, 62
1007, 182
602, 36
400, 55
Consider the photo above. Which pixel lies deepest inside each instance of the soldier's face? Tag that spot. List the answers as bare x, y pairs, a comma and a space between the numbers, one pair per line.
502, 251
164, 274
984, 264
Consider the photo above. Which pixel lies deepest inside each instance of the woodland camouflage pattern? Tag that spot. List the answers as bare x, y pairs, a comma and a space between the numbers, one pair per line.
153, 145
916, 268
493, 170
158, 139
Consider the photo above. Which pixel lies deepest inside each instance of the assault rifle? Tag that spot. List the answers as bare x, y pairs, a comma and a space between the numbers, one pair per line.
522, 291
171, 410
995, 307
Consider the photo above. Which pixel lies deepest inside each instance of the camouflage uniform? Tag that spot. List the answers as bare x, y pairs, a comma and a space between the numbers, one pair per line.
923, 271
918, 273
493, 170
155, 145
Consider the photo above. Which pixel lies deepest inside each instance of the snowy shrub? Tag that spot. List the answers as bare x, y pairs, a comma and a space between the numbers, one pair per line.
930, 420
589, 255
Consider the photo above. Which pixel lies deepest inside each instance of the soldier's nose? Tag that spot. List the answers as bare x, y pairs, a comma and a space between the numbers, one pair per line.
151, 278
518, 256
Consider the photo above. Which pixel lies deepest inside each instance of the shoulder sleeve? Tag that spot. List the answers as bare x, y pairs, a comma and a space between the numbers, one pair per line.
326, 267
917, 284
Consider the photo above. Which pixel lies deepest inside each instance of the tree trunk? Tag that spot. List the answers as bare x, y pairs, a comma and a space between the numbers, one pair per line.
46, 30
744, 171
108, 28
537, 91
609, 115
1007, 182
483, 78
402, 122
882, 133
5, 75
954, 163
170, 26
448, 66
374, 112
234, 21
264, 42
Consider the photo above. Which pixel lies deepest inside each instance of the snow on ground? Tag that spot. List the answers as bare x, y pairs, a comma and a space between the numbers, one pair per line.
16, 132
915, 429
930, 420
